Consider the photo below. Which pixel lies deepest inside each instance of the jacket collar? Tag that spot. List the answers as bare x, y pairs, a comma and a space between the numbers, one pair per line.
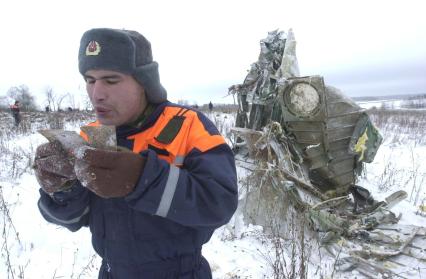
127, 130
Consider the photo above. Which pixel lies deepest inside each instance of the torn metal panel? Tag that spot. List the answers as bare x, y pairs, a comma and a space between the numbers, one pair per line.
69, 140
102, 137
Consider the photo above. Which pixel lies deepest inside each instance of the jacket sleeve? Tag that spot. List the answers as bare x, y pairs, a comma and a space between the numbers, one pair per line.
69, 209
201, 194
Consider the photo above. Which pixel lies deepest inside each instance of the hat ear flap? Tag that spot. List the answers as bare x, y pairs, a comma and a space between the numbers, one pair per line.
148, 76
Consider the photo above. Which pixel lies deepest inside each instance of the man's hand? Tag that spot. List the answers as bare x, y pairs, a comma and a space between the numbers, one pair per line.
53, 169
108, 174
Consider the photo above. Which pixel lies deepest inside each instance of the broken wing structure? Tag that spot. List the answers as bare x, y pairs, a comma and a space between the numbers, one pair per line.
305, 143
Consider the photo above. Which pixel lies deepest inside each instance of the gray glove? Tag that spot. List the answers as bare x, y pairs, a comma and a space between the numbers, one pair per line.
53, 169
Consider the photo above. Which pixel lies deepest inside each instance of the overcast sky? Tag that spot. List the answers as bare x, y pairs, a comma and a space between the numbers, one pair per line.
362, 47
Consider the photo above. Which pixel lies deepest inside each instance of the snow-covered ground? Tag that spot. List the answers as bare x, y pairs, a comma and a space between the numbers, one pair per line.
396, 102
32, 248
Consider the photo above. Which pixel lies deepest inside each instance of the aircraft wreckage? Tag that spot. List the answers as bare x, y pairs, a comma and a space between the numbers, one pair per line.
304, 144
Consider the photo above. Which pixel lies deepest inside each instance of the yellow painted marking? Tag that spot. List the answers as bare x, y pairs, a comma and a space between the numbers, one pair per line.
360, 145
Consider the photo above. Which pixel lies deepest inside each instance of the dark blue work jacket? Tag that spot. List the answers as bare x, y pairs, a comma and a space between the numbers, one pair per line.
187, 189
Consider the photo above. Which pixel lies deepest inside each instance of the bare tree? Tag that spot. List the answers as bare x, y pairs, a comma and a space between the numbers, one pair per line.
60, 99
50, 98
87, 104
72, 101
55, 101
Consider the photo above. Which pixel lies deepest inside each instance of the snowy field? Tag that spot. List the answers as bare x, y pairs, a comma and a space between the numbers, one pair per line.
33, 248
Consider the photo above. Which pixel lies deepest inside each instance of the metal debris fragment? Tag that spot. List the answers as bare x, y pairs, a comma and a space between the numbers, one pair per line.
102, 137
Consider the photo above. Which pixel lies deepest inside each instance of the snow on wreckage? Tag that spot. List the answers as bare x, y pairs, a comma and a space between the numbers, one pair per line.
306, 144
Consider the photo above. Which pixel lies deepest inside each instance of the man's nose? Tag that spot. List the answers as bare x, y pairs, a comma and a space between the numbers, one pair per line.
99, 92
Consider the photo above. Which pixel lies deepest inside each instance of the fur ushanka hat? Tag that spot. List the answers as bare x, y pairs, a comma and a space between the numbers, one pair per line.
123, 51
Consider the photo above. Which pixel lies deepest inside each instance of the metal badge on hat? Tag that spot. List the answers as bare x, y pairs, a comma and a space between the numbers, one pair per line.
93, 48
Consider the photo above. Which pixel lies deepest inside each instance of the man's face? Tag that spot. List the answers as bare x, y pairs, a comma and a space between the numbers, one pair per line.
116, 97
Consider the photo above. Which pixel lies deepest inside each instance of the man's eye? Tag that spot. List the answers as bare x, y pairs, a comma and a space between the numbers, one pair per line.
111, 81
90, 81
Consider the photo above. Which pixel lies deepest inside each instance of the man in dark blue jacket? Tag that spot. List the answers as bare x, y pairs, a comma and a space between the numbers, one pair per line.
149, 210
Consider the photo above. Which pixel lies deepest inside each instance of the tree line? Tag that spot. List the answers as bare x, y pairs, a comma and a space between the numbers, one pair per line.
53, 101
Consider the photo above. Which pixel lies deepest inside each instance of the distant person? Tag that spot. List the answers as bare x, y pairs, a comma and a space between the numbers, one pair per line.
15, 110
210, 106
150, 208
47, 109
